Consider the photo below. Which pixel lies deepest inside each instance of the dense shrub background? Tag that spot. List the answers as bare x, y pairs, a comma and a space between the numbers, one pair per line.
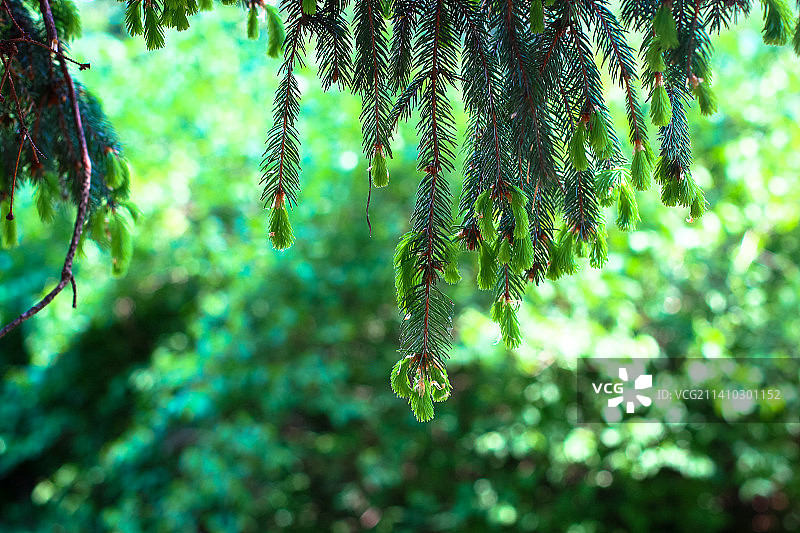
222, 386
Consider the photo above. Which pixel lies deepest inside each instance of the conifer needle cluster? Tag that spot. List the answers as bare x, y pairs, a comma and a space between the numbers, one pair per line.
55, 137
543, 155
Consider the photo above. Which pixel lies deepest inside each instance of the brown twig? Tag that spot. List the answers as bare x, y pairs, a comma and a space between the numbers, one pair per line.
24, 133
61, 55
11, 16
369, 197
86, 163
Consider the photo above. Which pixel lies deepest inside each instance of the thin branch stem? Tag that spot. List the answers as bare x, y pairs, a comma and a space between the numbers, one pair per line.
24, 133
60, 54
13, 20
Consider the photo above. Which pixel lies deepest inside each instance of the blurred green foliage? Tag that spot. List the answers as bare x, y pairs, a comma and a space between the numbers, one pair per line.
225, 387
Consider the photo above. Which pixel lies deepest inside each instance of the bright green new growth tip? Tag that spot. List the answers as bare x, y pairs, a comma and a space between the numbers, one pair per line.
537, 16
706, 98
665, 27
118, 173
627, 208
422, 390
577, 148
310, 7
252, 23
599, 139
655, 56
484, 211
276, 30
121, 244
280, 230
642, 167
451, 274
504, 314
660, 106
380, 174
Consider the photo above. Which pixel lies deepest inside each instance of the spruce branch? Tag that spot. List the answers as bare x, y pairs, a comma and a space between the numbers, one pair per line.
86, 169
333, 45
530, 128
508, 293
721, 14
404, 18
281, 164
589, 76
542, 222
622, 66
480, 81
425, 331
369, 79
489, 165
692, 31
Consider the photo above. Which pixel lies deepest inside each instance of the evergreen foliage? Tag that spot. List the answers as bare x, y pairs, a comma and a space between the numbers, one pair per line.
39, 143
55, 136
543, 157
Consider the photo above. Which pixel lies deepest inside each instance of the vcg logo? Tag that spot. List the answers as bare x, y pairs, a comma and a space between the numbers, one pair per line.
624, 392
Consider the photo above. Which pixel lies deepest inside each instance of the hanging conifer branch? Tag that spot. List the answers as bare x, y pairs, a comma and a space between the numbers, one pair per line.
281, 164
481, 94
333, 45
77, 172
587, 72
404, 16
488, 167
721, 14
425, 331
695, 8
370, 82
541, 227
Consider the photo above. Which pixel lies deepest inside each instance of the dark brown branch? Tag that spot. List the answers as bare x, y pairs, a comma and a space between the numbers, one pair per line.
25, 38
13, 20
557, 37
86, 167
60, 54
23, 129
